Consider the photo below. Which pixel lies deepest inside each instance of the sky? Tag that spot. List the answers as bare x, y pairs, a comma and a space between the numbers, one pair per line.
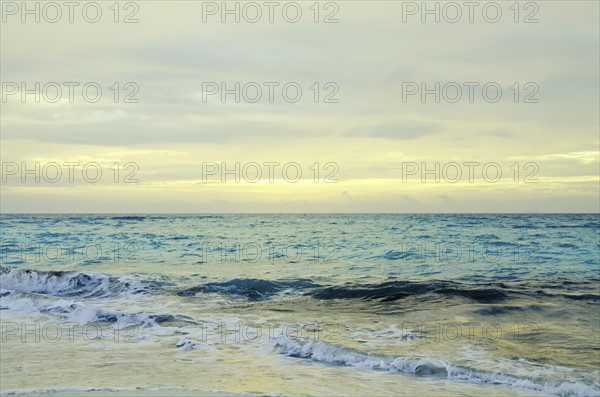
370, 119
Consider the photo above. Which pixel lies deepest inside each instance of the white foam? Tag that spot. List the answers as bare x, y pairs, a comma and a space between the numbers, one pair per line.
84, 284
71, 310
338, 355
186, 344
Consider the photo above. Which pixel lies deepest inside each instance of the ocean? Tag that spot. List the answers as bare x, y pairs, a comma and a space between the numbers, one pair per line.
304, 304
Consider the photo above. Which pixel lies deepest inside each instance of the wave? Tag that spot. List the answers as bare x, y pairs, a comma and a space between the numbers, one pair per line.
394, 290
253, 289
258, 289
85, 285
129, 218
63, 283
60, 293
424, 367
81, 313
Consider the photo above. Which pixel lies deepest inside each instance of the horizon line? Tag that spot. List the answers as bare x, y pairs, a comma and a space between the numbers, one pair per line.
299, 213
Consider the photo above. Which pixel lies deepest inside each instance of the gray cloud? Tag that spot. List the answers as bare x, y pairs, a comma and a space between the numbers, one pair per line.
402, 130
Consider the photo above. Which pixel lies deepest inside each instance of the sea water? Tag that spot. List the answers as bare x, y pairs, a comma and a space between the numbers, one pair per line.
307, 304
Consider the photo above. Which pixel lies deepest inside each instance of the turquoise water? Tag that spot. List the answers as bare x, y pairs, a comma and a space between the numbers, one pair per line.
303, 304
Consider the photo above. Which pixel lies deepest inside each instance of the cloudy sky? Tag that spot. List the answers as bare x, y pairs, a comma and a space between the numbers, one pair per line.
359, 136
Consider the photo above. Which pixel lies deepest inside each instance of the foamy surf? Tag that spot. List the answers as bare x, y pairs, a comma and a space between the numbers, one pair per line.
327, 353
59, 283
